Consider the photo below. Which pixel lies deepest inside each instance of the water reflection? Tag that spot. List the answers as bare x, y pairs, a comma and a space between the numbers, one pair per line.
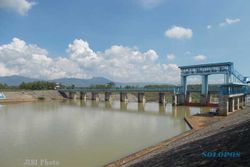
141, 107
108, 104
94, 103
123, 106
83, 103
162, 108
147, 108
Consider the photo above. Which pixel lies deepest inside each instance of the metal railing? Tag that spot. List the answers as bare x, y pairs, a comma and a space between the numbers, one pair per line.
231, 90
240, 77
172, 89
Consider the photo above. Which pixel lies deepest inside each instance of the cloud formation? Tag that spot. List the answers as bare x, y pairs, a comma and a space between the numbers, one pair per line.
200, 57
179, 32
229, 21
170, 56
119, 63
20, 6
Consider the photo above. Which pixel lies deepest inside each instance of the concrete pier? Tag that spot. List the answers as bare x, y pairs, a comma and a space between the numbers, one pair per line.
231, 103
204, 100
83, 96
123, 97
162, 98
174, 100
72, 95
188, 98
141, 98
243, 102
180, 99
94, 96
204, 90
238, 103
108, 96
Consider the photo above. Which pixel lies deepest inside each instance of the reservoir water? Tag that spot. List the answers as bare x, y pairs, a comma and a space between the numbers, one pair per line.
84, 134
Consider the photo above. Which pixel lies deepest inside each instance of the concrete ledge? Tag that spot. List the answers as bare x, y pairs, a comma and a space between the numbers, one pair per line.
148, 150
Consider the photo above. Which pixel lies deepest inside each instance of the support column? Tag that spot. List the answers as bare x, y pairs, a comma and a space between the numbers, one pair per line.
244, 101
162, 98
184, 86
72, 95
83, 96
233, 104
227, 78
107, 96
204, 90
225, 105
237, 103
209, 98
123, 97
241, 102
141, 98
188, 98
174, 100
180, 99
94, 96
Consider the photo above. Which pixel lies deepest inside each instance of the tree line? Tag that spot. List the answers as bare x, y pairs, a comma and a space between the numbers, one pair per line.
37, 85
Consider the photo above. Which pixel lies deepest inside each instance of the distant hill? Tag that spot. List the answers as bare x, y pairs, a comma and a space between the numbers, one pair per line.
16, 80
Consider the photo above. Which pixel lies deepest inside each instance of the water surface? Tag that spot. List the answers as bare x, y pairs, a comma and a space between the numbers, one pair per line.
84, 134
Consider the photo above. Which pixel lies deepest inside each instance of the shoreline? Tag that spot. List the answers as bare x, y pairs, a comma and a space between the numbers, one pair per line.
202, 126
30, 96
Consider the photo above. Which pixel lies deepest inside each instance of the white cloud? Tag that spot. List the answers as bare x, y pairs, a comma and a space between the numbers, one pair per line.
118, 63
179, 32
200, 57
170, 56
209, 27
150, 3
229, 21
151, 54
20, 6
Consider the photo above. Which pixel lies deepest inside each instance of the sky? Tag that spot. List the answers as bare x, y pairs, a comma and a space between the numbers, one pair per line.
123, 40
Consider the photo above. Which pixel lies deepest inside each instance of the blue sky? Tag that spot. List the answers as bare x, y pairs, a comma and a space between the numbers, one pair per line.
199, 31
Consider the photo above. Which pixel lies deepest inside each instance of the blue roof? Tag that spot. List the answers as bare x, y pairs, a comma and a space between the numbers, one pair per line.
208, 65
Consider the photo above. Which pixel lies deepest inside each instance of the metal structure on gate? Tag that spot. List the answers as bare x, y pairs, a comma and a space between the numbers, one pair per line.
231, 76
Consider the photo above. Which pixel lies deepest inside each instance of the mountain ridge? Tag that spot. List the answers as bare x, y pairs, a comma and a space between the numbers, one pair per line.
16, 80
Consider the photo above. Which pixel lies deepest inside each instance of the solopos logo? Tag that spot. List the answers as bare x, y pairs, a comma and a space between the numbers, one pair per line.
220, 154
